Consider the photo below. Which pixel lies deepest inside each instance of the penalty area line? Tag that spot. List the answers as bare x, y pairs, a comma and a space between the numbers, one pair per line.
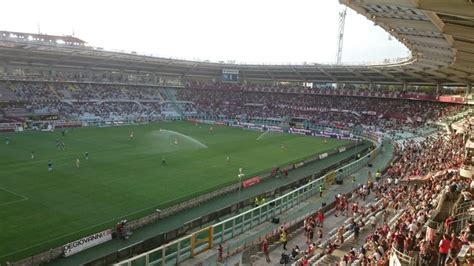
76, 232
23, 198
86, 228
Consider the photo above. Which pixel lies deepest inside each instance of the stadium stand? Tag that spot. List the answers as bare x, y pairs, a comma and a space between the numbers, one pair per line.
416, 207
427, 161
418, 204
418, 211
415, 202
112, 101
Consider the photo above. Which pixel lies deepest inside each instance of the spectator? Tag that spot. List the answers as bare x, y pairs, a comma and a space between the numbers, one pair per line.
283, 239
444, 246
265, 249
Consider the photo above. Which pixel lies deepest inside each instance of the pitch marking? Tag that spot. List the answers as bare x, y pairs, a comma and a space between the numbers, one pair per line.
23, 198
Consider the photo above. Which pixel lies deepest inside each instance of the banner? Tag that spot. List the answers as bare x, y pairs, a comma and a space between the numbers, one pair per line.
394, 261
297, 165
451, 99
250, 182
87, 242
274, 128
322, 156
330, 178
209, 122
293, 130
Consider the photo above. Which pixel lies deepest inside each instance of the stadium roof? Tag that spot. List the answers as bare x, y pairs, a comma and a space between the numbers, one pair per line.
439, 33
46, 38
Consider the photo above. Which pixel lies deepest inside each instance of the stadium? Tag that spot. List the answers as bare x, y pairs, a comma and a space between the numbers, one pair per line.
117, 158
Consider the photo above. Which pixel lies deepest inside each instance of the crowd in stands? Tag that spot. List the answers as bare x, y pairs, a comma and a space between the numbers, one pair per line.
31, 91
86, 92
42, 91
419, 90
419, 159
411, 192
232, 100
379, 88
322, 110
418, 202
83, 100
109, 109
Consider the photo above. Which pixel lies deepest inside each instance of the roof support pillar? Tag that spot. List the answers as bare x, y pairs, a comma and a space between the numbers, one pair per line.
52, 71
6, 68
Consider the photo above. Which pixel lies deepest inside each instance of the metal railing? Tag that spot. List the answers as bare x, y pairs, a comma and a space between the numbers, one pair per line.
179, 250
404, 259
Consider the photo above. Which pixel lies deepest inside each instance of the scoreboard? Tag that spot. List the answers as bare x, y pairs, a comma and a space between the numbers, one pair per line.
230, 75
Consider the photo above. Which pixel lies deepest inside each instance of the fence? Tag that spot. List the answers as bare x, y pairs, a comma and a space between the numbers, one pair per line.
358, 131
404, 259
181, 249
463, 214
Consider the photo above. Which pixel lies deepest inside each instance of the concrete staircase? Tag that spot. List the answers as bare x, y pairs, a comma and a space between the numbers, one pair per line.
331, 259
66, 91
52, 89
6, 95
171, 97
338, 254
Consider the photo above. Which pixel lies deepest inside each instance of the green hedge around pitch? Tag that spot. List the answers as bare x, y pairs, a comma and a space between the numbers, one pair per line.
124, 177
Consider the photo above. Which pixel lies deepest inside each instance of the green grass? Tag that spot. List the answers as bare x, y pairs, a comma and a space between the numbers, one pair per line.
123, 177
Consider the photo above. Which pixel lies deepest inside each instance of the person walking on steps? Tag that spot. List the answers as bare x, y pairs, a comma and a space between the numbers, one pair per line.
221, 253
283, 239
265, 250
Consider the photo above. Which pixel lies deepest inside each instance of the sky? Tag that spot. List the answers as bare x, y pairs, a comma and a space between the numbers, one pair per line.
249, 31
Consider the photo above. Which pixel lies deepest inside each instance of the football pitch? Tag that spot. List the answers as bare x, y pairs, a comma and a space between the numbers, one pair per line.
124, 177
